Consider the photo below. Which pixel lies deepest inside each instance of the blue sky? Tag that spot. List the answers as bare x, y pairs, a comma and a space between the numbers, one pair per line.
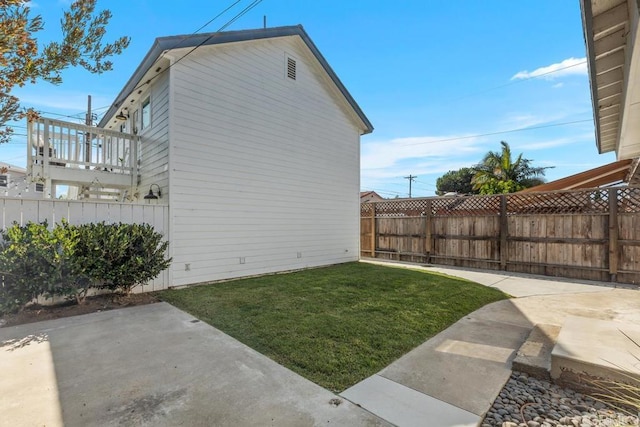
432, 76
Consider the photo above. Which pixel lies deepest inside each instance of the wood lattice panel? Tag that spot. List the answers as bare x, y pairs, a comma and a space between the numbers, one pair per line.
366, 208
403, 207
467, 206
593, 201
629, 199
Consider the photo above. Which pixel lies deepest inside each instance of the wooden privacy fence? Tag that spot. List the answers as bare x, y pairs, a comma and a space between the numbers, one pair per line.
82, 212
589, 234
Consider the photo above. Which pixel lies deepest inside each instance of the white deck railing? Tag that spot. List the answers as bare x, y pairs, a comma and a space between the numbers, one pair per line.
55, 144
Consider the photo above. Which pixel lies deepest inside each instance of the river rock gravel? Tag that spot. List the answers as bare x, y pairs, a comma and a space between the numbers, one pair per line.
544, 404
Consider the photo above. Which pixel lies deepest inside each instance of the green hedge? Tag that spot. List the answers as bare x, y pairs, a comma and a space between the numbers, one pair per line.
69, 260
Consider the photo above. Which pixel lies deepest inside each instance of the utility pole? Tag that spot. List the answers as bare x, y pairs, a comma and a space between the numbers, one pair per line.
87, 140
411, 178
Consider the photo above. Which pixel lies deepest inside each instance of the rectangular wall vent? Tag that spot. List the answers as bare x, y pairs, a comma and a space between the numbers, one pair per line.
4, 181
291, 68
39, 187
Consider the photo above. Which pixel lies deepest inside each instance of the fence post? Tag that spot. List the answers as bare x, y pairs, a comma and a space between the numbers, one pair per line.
427, 232
504, 224
613, 234
46, 151
374, 238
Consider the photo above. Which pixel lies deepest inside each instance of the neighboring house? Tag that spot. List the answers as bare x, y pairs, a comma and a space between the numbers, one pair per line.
370, 196
14, 183
612, 30
248, 136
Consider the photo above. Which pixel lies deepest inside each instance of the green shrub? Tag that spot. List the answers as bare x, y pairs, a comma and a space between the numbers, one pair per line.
37, 261
24, 265
71, 279
121, 256
70, 260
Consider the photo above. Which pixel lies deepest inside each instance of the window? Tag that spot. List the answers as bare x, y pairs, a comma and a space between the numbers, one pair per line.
39, 187
136, 114
146, 114
291, 68
4, 181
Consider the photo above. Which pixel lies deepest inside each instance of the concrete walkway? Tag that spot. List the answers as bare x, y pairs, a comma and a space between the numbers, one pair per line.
453, 378
153, 365
156, 365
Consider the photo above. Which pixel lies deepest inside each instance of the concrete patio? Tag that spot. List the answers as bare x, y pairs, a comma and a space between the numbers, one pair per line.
153, 365
156, 365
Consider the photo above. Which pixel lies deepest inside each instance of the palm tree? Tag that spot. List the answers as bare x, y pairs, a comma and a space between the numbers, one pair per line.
499, 173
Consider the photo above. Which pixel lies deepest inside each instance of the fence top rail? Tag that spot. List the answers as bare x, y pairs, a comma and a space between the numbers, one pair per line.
590, 201
91, 201
589, 190
84, 128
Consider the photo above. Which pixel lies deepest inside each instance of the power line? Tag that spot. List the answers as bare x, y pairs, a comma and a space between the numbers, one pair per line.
425, 183
515, 82
194, 33
216, 17
71, 116
242, 13
497, 133
227, 24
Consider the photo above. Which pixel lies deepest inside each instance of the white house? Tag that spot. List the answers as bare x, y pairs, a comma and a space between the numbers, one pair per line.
248, 136
14, 183
612, 38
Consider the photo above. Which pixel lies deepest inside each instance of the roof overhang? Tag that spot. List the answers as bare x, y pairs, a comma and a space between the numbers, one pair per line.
603, 176
613, 54
164, 44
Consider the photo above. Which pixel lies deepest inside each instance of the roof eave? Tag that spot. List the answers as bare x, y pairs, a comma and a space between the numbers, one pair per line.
587, 25
162, 44
149, 60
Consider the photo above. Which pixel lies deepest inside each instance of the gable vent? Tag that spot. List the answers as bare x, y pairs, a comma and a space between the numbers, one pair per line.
291, 68
4, 181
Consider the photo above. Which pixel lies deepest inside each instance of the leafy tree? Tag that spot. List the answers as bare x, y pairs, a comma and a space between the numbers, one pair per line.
23, 61
500, 173
456, 181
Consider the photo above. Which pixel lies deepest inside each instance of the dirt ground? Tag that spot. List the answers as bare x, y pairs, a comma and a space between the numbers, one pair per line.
38, 313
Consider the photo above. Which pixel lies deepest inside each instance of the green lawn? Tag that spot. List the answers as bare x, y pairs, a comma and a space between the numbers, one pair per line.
335, 325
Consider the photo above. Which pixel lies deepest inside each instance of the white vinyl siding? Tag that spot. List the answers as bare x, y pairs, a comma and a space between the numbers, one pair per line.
154, 152
261, 169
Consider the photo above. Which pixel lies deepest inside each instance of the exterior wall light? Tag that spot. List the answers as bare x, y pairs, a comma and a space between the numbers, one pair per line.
152, 195
122, 115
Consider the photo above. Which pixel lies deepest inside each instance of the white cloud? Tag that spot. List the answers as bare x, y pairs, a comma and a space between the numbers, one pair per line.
568, 67
386, 154
555, 142
384, 163
525, 120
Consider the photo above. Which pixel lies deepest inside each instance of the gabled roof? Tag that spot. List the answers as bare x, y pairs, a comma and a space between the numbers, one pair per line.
163, 44
370, 195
